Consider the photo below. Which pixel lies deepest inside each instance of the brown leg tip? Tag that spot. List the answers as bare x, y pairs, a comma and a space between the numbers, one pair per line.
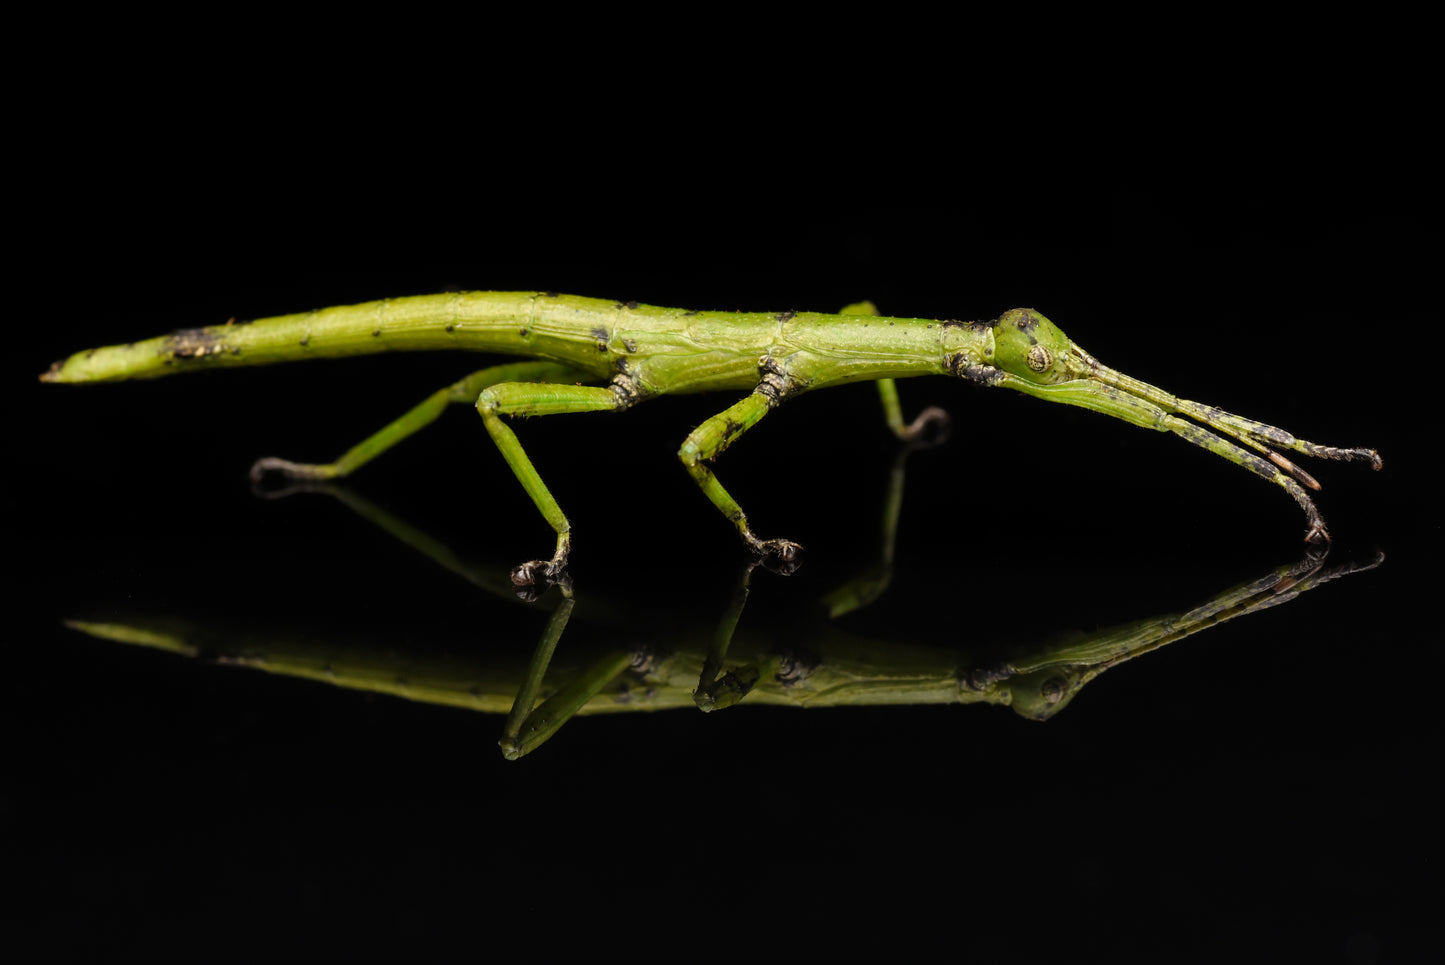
931, 428
528, 574
781, 556
291, 470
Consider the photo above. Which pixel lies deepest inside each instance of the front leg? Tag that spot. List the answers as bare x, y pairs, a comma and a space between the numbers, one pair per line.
706, 443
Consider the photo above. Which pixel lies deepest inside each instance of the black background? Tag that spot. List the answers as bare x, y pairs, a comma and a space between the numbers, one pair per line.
1264, 785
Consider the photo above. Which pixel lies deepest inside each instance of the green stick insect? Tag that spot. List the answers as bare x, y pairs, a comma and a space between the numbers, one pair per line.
591, 355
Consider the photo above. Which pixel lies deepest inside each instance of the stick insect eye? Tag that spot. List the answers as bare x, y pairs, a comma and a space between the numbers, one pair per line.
1039, 358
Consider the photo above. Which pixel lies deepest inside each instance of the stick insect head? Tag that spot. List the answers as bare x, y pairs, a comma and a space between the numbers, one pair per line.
1030, 347
1032, 356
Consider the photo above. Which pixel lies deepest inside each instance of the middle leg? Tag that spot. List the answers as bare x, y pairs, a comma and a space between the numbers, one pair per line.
706, 443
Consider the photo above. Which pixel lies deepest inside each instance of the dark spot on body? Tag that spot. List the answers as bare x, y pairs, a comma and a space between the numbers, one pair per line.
376, 332
645, 660
240, 321
794, 667
984, 678
775, 382
1277, 436
978, 327
550, 295
627, 305
630, 344
1027, 323
1263, 467
524, 333
689, 313
194, 343
450, 328
305, 340
786, 316
963, 368
600, 334
626, 388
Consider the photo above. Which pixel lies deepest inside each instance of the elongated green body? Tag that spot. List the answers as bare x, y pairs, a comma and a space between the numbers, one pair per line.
664, 350
641, 351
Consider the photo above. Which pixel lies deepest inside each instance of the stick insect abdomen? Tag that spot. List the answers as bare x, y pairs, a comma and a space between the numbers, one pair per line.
574, 331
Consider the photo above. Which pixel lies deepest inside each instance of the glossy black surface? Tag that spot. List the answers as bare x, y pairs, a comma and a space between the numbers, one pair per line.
1264, 785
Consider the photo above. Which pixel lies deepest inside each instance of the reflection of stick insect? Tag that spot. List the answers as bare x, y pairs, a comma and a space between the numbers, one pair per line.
817, 664
641, 351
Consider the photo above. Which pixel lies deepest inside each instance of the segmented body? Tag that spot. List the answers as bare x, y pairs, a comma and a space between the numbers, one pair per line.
662, 350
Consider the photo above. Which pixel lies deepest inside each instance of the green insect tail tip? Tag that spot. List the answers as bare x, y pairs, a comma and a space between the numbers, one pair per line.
69, 369
66, 371
136, 361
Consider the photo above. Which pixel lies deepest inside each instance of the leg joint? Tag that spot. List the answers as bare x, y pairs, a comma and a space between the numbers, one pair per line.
627, 390
775, 383
690, 453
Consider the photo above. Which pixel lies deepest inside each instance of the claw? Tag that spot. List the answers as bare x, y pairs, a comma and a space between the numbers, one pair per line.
784, 549
931, 428
533, 573
781, 556
292, 470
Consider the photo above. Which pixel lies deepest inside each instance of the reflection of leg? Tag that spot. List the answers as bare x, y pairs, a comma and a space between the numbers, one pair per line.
417, 418
870, 584
487, 577
717, 690
529, 725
